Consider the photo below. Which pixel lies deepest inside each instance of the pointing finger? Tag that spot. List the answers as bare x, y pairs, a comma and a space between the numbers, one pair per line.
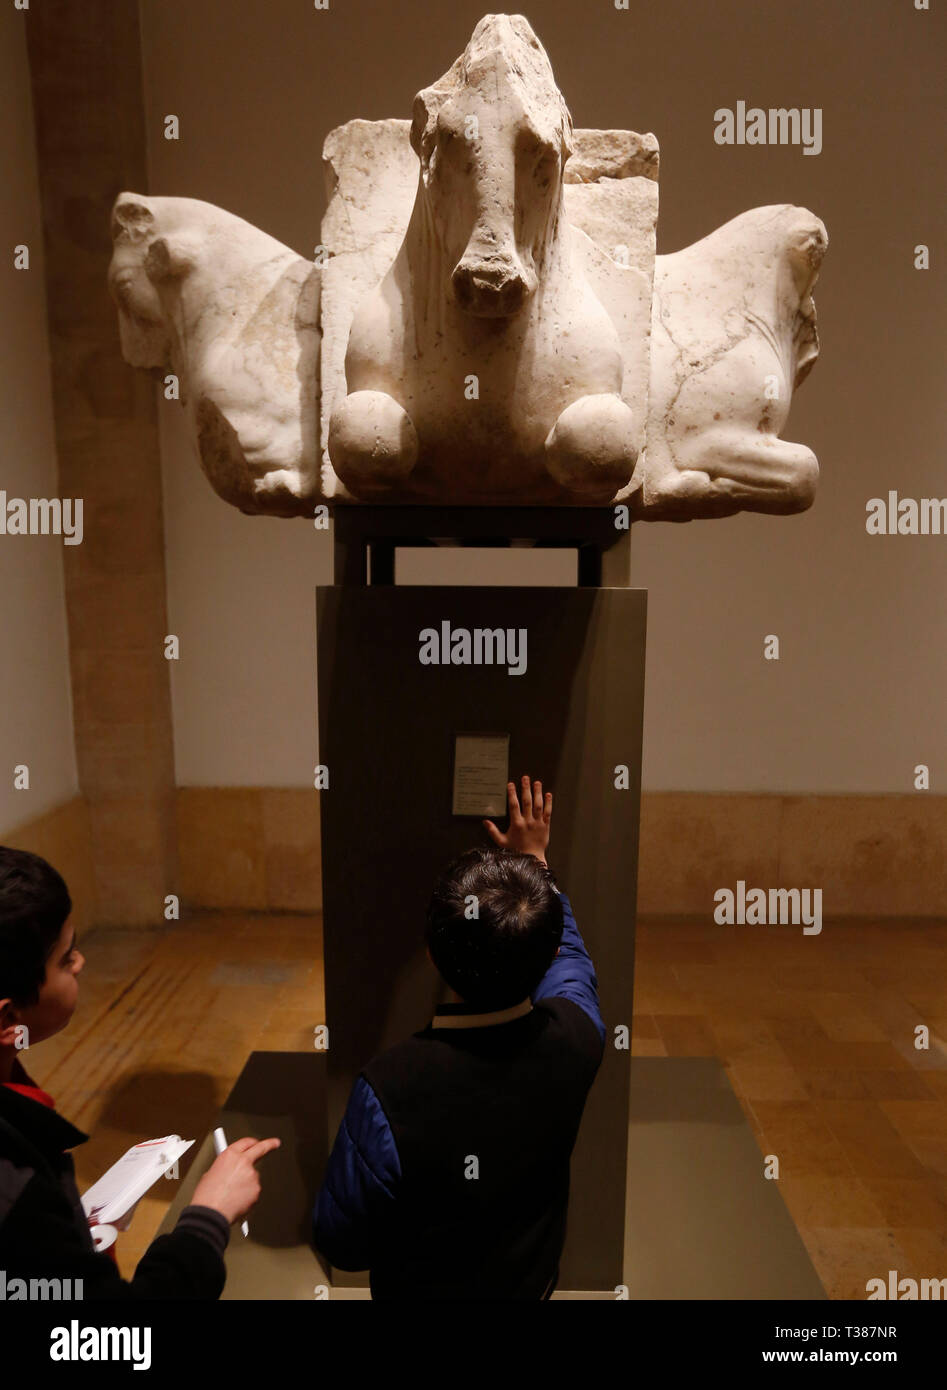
258, 1150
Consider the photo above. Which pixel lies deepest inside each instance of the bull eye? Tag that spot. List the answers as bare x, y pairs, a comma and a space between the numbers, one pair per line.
545, 166
441, 147
544, 155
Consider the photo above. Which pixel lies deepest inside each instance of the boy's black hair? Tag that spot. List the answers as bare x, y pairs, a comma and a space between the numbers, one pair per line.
34, 905
498, 957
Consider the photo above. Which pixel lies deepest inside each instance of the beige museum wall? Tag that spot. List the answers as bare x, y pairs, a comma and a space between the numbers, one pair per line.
37, 727
258, 848
64, 837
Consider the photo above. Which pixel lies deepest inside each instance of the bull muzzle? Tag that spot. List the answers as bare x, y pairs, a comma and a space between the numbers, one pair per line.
491, 289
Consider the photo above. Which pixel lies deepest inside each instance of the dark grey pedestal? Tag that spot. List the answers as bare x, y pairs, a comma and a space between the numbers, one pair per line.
386, 731
702, 1221
281, 1094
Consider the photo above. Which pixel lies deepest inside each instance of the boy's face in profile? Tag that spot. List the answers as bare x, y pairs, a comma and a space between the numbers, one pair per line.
59, 991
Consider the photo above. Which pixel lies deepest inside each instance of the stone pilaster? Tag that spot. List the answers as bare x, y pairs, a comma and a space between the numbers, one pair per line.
85, 65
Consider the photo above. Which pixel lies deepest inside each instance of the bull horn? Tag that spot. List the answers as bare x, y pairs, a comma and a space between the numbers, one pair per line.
132, 215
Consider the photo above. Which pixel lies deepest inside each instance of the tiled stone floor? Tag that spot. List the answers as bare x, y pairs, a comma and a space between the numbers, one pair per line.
817, 1034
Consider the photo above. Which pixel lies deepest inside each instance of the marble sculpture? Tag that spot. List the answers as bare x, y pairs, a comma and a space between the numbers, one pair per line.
485, 321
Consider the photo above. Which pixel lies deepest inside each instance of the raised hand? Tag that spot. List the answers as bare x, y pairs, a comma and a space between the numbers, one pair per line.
529, 821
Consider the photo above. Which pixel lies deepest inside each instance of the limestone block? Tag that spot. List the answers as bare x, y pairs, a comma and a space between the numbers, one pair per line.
612, 154
733, 334
614, 220
371, 175
620, 216
234, 315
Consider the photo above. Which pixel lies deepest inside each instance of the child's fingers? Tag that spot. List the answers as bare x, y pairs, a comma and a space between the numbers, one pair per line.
240, 1146
527, 800
537, 799
252, 1148
264, 1146
516, 815
493, 832
547, 807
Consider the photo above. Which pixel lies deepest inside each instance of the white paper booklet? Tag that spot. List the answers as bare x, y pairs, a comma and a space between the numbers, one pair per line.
118, 1191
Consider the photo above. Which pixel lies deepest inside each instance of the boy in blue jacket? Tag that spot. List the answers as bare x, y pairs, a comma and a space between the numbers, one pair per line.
449, 1177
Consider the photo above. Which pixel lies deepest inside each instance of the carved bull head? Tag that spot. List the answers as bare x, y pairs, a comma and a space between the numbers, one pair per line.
142, 324
492, 137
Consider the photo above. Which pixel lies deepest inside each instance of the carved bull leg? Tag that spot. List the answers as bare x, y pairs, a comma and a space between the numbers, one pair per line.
727, 470
373, 444
590, 448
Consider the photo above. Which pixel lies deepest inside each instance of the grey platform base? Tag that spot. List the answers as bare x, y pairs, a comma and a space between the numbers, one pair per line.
702, 1221
281, 1094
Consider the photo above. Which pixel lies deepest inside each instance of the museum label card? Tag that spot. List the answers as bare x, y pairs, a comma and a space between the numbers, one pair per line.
481, 774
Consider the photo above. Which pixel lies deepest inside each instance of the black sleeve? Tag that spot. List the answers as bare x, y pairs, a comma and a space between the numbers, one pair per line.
40, 1239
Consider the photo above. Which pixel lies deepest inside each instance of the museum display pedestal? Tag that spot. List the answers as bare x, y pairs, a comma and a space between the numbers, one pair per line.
387, 730
668, 1197
281, 1094
365, 538
702, 1221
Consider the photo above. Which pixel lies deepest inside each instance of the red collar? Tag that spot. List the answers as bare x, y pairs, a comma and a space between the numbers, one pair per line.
24, 1085
32, 1093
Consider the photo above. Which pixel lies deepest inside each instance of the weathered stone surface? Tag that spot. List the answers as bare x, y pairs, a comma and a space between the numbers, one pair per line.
372, 179
486, 328
614, 221
620, 216
484, 322
234, 315
611, 154
371, 175
733, 334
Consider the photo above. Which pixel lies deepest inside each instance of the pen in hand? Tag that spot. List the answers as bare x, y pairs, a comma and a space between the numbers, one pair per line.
231, 1184
220, 1143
